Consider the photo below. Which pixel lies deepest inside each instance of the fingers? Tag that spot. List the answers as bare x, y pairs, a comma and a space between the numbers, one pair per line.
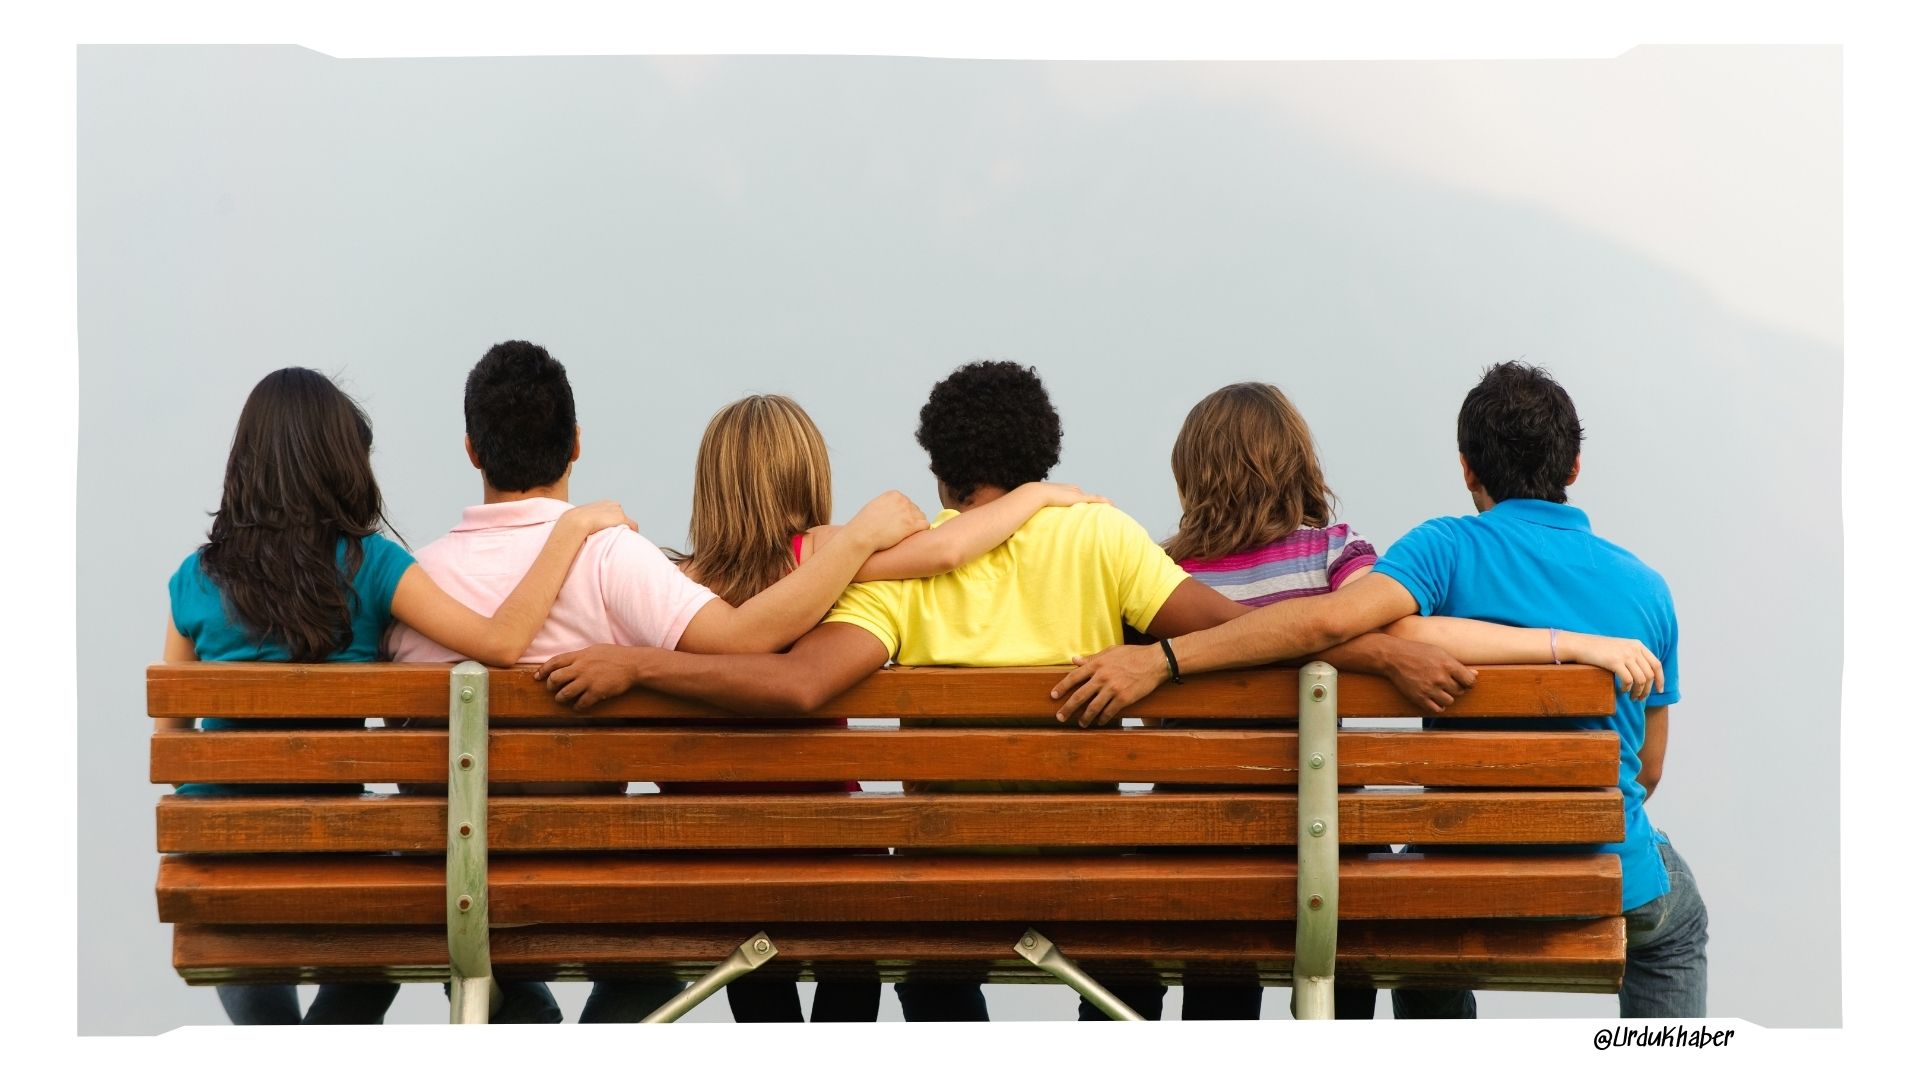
555, 664
1073, 678
1080, 699
568, 686
1097, 709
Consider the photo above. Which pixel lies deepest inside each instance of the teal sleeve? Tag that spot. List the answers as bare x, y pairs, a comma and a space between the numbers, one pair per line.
1424, 561
382, 562
186, 602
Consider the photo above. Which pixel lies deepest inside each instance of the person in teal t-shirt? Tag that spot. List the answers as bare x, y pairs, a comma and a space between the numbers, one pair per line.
294, 569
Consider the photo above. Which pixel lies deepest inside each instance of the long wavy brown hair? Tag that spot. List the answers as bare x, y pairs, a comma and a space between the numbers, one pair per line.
762, 477
1247, 472
299, 480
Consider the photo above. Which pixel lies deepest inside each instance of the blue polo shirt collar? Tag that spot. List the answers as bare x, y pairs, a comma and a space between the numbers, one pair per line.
1540, 512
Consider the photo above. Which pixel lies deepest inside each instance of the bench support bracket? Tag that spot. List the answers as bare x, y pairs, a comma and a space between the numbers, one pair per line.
1035, 949
472, 991
1317, 907
752, 952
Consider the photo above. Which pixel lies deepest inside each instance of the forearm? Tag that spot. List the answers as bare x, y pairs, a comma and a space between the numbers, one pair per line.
763, 684
776, 616
518, 619
1368, 654
964, 538
1471, 641
1281, 631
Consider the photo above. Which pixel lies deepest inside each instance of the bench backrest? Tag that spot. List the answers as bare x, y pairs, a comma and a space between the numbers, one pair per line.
259, 885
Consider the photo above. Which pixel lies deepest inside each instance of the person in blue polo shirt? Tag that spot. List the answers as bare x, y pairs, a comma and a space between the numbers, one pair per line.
1527, 559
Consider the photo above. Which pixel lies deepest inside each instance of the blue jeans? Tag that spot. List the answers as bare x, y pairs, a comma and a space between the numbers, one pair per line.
522, 1003
336, 1003
627, 1001
1206, 1001
1666, 974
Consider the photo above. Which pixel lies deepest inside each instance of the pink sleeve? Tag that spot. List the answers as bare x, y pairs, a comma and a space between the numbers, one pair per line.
649, 601
1355, 554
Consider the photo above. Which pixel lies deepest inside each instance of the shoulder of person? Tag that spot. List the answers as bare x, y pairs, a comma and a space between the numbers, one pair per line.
1447, 526
625, 546
188, 575
383, 545
1103, 515
189, 566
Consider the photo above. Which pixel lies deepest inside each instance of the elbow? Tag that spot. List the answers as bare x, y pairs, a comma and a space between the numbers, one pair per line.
791, 699
948, 559
499, 653
807, 696
1322, 632
1406, 628
1649, 779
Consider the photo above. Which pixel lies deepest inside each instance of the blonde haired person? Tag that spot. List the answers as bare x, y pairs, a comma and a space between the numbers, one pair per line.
762, 502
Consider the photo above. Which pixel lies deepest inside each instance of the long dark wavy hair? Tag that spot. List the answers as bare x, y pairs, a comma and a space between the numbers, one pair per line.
299, 479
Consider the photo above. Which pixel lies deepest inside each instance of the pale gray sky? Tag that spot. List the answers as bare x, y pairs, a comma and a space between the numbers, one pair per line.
1660, 230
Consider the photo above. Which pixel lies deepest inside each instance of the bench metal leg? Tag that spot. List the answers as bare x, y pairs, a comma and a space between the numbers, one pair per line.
1034, 947
473, 993
1317, 914
752, 952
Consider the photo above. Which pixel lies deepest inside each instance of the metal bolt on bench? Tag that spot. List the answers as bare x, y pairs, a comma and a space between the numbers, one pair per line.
1035, 949
752, 952
1317, 914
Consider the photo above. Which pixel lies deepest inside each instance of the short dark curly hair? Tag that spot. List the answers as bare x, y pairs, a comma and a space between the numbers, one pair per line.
520, 416
990, 423
1520, 434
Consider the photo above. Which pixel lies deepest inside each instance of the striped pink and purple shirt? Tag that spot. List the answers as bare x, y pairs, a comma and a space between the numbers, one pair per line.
1307, 563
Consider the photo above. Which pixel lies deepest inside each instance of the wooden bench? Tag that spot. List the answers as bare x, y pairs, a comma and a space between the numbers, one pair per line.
1247, 880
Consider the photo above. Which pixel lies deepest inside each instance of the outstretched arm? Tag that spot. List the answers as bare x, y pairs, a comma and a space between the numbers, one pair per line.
820, 666
501, 640
781, 612
1472, 641
1428, 676
963, 539
1099, 687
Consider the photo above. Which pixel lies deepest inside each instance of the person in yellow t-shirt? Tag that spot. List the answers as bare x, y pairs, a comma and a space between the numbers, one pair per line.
1063, 585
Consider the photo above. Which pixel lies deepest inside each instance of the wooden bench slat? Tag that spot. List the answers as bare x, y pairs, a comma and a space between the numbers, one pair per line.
853, 888
1579, 955
329, 690
373, 823
1243, 757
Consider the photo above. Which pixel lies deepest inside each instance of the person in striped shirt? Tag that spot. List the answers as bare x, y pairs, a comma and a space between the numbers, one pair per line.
1257, 524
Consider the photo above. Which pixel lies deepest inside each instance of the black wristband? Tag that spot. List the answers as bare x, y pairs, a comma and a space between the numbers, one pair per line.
1166, 646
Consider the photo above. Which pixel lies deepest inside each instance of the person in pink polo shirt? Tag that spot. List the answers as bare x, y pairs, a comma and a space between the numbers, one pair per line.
522, 436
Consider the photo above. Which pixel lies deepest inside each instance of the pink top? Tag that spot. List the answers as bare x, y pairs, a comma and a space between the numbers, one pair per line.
621, 589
